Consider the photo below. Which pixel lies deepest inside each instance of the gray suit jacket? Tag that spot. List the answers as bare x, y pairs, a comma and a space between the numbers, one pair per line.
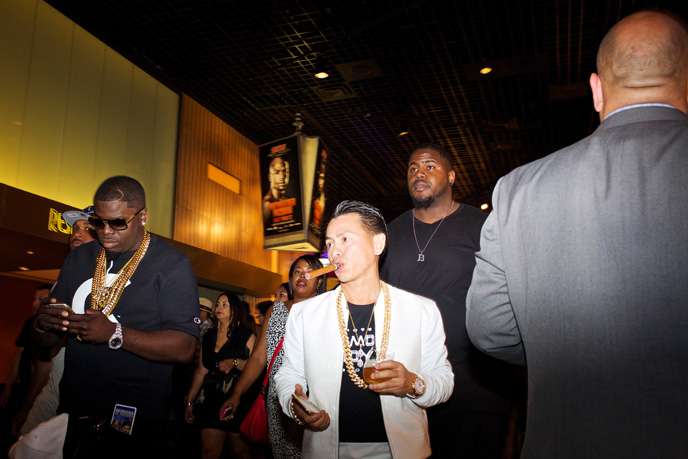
583, 277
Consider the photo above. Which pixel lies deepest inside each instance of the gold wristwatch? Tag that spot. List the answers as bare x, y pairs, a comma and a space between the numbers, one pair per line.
417, 386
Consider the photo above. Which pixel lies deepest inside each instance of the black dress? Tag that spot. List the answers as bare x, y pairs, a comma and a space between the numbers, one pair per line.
215, 393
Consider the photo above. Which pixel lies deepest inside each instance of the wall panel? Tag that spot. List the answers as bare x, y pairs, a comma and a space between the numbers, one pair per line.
208, 215
75, 112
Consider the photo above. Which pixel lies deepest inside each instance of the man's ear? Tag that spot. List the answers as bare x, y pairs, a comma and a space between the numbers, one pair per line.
597, 97
379, 241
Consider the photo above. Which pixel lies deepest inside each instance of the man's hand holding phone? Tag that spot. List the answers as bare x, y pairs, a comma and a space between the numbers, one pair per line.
305, 412
52, 316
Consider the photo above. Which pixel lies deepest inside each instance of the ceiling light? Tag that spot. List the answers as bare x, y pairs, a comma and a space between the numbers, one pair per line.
320, 70
29, 252
485, 70
485, 206
23, 268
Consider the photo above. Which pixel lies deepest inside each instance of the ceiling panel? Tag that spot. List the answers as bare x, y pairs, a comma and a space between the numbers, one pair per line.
250, 62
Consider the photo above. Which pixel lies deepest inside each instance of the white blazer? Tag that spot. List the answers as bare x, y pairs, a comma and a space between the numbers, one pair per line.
314, 356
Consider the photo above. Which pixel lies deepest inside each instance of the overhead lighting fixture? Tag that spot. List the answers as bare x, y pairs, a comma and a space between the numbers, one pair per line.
485, 70
320, 70
23, 268
402, 129
29, 252
485, 206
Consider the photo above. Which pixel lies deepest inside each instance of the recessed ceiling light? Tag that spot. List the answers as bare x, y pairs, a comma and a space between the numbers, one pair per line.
485, 70
23, 268
30, 252
320, 70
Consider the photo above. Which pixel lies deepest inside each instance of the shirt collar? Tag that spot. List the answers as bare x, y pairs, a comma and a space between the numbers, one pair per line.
628, 107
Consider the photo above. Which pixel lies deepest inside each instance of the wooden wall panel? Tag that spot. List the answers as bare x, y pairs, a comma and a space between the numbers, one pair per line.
208, 215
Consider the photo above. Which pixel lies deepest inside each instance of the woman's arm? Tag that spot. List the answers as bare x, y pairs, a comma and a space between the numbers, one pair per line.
252, 369
227, 365
196, 383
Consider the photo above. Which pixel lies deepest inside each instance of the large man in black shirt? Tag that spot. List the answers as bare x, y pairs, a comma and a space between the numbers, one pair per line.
135, 314
431, 252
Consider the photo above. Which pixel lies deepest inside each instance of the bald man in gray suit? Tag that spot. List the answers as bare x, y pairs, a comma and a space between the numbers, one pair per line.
582, 274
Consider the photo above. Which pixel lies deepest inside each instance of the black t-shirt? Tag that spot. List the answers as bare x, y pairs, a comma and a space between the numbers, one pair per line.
481, 382
161, 295
30, 352
360, 411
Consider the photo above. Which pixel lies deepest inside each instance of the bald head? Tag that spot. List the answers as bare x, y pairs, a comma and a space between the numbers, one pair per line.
642, 59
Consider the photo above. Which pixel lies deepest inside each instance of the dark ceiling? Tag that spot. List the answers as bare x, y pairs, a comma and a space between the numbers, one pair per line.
251, 62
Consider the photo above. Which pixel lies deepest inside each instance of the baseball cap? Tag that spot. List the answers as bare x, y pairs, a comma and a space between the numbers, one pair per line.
45, 441
206, 305
73, 216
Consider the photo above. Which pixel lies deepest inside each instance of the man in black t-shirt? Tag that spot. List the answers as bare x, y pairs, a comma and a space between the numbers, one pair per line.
435, 258
20, 376
134, 314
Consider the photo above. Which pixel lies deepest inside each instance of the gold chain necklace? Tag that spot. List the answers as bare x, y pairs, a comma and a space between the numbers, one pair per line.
345, 341
360, 343
104, 298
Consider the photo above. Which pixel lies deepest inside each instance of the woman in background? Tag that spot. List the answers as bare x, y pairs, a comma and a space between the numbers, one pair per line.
285, 435
225, 349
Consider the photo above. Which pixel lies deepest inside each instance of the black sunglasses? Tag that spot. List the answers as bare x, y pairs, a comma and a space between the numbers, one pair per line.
117, 224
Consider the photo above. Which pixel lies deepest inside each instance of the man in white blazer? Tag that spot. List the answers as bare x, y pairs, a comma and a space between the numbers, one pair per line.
330, 338
583, 269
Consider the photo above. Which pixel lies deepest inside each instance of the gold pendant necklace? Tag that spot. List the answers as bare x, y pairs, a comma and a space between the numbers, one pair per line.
104, 298
358, 338
345, 341
421, 257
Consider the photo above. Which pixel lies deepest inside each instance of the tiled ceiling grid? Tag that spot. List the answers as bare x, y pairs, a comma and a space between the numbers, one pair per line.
251, 63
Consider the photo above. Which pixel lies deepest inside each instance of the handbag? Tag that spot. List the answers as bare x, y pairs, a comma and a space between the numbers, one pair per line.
219, 384
255, 425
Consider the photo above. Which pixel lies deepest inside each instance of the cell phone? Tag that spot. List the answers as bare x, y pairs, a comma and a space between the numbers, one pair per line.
305, 404
62, 306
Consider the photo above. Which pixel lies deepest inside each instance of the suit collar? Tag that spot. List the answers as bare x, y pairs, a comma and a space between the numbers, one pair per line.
643, 113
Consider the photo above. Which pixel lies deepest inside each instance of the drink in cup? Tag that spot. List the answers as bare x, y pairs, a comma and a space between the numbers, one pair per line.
369, 367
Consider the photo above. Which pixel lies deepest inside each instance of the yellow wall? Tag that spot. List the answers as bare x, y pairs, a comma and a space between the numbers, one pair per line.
74, 112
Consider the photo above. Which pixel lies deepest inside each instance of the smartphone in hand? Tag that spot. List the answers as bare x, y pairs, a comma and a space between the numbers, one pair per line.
64, 306
305, 404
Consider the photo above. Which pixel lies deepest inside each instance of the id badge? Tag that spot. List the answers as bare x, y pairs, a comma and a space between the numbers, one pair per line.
123, 418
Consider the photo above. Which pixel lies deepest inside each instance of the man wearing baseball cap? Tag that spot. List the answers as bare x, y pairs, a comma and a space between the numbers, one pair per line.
43, 395
82, 231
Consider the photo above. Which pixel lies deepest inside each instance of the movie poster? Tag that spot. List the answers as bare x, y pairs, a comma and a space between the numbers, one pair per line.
317, 213
281, 187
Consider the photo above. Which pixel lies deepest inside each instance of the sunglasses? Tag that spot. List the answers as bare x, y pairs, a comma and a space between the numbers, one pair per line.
117, 224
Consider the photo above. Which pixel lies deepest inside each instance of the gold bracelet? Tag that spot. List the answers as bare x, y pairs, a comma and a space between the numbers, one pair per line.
293, 414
